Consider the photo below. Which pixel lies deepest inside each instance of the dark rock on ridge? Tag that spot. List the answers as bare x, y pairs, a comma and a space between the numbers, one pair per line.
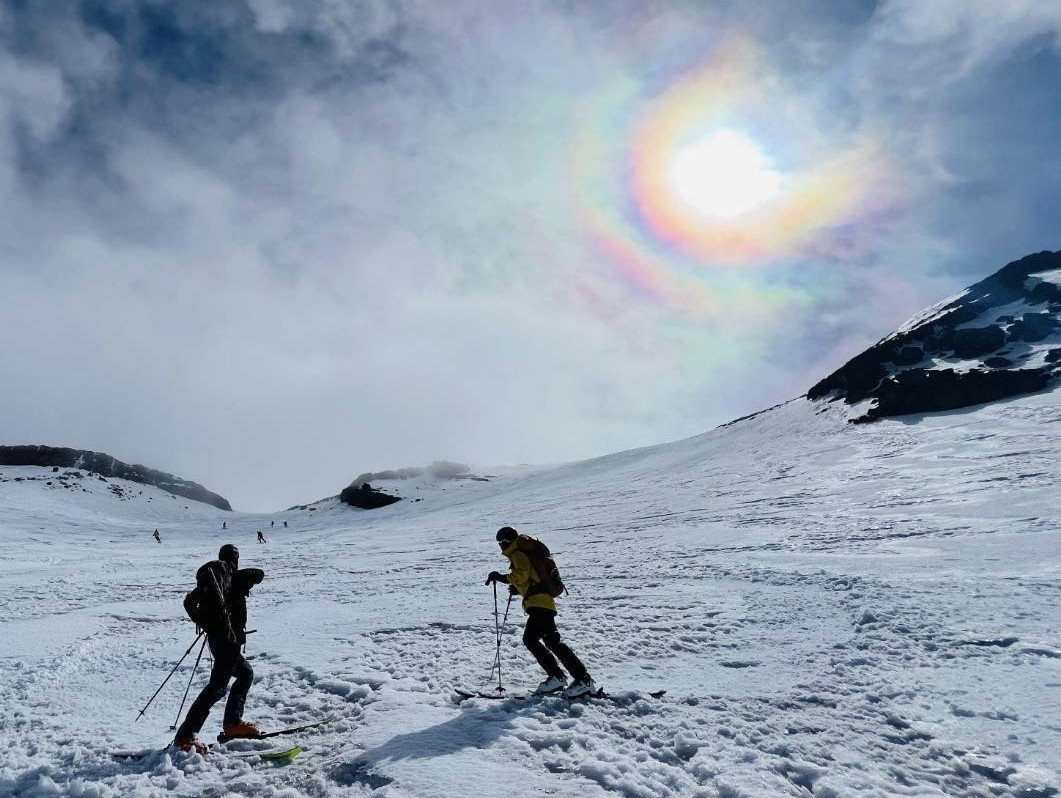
365, 497
925, 391
107, 466
916, 369
360, 492
974, 342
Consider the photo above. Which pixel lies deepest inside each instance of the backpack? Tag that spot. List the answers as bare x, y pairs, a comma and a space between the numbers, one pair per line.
204, 606
544, 566
194, 606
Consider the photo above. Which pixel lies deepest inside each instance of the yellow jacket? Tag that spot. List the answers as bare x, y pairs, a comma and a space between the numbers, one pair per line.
523, 578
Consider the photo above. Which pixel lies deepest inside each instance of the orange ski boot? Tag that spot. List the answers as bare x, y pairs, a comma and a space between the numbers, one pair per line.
241, 729
189, 745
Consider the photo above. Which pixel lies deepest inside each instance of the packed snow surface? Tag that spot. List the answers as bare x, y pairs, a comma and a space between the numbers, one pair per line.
834, 610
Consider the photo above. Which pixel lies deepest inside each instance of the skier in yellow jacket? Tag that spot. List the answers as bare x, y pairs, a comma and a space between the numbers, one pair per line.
540, 635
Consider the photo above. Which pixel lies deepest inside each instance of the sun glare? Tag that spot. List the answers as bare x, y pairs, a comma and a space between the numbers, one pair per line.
724, 175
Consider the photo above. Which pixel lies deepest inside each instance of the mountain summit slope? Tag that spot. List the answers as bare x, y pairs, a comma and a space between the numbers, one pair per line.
998, 338
107, 466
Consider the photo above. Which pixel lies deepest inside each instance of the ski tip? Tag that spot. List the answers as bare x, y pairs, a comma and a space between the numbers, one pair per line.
280, 757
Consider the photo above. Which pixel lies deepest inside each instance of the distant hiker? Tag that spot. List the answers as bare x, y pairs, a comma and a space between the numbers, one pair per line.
219, 606
261, 537
540, 634
272, 523
156, 536
224, 524
285, 524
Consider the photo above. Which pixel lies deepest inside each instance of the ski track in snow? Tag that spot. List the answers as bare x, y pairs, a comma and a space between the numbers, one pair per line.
834, 610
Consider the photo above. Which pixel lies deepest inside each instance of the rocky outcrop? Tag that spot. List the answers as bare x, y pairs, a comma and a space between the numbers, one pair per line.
923, 391
107, 466
364, 496
1000, 338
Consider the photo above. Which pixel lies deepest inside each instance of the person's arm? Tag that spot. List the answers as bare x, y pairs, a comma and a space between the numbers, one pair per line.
497, 577
246, 578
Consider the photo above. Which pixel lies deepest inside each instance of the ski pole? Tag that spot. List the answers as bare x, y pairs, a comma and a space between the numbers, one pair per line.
497, 640
189, 687
499, 628
504, 621
159, 690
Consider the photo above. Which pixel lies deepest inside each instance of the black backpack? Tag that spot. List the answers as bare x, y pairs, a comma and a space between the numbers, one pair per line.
195, 606
544, 566
204, 605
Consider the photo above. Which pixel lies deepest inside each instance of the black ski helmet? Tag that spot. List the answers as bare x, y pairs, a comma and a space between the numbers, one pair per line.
229, 553
506, 534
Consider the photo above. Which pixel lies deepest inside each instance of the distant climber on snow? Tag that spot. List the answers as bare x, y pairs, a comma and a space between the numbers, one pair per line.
218, 605
261, 537
533, 575
156, 536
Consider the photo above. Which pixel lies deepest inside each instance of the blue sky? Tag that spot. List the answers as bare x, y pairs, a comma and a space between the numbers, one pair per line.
271, 244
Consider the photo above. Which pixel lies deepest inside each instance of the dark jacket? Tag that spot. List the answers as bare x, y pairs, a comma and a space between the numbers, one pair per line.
219, 602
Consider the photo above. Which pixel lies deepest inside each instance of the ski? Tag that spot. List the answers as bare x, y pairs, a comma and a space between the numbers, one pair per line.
282, 756
137, 754
278, 755
224, 738
274, 755
464, 695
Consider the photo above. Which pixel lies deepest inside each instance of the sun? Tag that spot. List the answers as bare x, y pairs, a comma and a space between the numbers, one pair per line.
723, 175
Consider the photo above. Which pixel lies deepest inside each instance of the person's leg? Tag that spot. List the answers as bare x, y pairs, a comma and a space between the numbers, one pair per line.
539, 622
552, 641
214, 690
237, 696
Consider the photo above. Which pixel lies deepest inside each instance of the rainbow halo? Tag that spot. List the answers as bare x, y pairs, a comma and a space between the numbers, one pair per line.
720, 167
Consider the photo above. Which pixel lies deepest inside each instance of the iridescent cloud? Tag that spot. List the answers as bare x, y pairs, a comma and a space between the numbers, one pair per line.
666, 238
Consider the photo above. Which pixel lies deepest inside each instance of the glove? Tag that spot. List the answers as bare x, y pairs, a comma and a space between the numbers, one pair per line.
512, 590
493, 577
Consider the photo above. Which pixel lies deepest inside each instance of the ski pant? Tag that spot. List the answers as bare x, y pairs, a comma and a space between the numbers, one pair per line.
543, 640
228, 662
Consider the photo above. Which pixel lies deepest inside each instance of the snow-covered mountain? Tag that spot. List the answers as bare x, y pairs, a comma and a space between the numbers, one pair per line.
80, 462
998, 338
833, 609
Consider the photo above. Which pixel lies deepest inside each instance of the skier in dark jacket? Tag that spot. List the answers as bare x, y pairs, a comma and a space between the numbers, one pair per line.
219, 606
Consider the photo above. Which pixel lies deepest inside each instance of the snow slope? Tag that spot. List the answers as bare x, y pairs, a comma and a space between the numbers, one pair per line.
835, 610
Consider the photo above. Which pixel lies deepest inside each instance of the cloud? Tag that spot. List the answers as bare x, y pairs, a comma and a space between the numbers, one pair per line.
948, 40
270, 245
